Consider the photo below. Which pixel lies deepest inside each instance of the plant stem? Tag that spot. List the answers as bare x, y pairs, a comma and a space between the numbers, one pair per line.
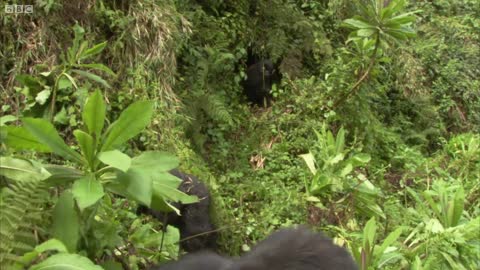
354, 88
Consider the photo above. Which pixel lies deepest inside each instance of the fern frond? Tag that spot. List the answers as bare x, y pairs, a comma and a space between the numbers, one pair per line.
21, 212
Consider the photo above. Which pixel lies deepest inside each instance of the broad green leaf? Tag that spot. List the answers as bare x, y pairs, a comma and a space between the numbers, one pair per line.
49, 245
66, 224
366, 32
46, 133
21, 139
457, 207
116, 159
340, 141
357, 24
52, 244
87, 191
395, 6
94, 114
22, 169
388, 257
359, 159
166, 186
310, 160
64, 83
96, 49
391, 238
131, 122
65, 261
135, 184
87, 145
402, 19
369, 232
100, 67
155, 161
91, 76
320, 181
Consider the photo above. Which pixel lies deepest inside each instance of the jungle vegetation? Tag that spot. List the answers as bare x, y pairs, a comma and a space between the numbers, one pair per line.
373, 134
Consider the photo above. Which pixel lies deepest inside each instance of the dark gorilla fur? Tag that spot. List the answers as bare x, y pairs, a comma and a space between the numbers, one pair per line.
287, 249
259, 81
201, 260
194, 222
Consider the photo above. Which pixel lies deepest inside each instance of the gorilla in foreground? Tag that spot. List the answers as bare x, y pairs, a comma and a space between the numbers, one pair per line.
194, 223
259, 82
287, 249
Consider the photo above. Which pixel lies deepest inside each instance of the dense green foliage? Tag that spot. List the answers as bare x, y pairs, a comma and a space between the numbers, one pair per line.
373, 135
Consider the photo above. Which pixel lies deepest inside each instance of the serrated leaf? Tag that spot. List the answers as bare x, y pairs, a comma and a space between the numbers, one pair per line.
131, 122
116, 159
45, 133
87, 191
65, 226
91, 76
63, 261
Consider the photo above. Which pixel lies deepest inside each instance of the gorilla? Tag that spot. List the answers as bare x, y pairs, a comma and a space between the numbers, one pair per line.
286, 249
194, 223
206, 260
259, 81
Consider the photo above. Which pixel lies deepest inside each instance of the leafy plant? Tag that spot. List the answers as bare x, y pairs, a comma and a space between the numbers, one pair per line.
104, 169
332, 166
369, 255
45, 88
376, 27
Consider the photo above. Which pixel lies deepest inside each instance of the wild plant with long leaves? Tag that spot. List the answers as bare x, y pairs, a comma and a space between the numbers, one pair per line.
376, 27
100, 170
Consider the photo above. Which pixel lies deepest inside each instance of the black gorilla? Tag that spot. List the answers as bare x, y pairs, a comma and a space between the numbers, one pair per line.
287, 249
194, 223
259, 81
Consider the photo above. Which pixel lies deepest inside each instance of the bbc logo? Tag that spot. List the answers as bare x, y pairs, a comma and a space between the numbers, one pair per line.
27, 9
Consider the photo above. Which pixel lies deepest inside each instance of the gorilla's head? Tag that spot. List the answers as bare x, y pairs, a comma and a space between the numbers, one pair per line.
267, 68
